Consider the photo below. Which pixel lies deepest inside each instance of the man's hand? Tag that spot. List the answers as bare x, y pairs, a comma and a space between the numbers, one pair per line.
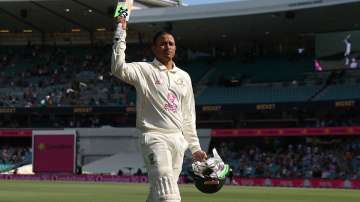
199, 156
122, 20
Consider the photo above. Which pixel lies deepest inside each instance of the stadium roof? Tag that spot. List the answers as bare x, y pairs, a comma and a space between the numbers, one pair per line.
243, 21
201, 23
64, 15
236, 8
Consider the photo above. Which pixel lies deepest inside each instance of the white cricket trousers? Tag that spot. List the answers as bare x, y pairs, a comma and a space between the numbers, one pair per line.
163, 156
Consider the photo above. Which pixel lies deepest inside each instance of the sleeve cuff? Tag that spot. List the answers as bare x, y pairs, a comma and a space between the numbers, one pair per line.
195, 148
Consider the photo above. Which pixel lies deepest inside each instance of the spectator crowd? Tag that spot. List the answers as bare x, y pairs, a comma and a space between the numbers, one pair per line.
35, 76
14, 155
326, 158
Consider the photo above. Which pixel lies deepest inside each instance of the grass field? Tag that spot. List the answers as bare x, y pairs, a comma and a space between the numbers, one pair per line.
32, 191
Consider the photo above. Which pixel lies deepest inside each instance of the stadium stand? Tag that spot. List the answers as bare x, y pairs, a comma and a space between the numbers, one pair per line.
340, 91
62, 76
263, 69
79, 77
14, 157
255, 94
306, 157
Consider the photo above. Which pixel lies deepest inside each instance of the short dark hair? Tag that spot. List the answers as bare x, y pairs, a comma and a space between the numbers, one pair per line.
159, 34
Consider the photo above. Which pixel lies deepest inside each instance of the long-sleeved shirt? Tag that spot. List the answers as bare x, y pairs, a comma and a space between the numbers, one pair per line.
165, 98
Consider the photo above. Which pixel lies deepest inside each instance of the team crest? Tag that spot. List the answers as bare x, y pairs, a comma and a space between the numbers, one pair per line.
180, 82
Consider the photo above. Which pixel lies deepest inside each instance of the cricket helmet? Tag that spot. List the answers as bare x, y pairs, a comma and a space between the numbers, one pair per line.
210, 175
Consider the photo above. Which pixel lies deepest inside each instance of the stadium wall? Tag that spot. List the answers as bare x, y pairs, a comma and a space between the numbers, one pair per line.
108, 149
107, 141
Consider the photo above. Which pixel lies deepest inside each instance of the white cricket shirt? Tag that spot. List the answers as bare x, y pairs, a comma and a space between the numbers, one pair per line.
165, 98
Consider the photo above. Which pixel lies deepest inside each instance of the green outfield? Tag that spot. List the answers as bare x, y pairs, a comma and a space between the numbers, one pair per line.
31, 191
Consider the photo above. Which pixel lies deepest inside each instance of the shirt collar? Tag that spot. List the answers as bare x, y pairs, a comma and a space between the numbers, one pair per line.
162, 67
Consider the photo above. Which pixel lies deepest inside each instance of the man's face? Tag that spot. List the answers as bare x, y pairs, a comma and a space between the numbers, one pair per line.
164, 48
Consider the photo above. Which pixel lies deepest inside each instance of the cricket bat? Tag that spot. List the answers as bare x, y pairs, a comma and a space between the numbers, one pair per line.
123, 8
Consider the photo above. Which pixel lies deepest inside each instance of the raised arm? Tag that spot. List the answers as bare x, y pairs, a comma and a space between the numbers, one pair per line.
129, 72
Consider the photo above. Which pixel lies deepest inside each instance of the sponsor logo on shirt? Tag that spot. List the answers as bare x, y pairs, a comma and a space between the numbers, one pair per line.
171, 104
